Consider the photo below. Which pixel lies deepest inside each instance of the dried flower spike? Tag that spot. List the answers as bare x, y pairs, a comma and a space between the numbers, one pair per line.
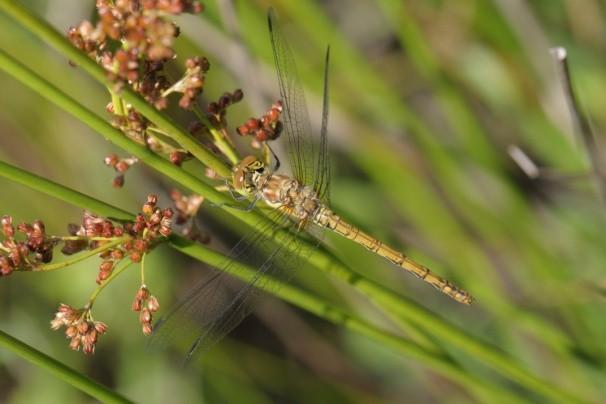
146, 304
24, 248
81, 329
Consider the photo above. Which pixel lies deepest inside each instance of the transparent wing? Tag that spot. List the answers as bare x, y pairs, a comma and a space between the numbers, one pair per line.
307, 168
322, 173
295, 118
211, 309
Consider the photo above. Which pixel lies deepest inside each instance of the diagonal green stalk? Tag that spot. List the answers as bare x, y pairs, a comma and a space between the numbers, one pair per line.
388, 300
60, 370
285, 291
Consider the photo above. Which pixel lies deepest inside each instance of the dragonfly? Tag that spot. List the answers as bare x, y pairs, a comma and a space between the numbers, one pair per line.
300, 211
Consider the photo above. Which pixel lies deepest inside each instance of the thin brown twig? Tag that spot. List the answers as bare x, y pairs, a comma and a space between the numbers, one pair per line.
583, 126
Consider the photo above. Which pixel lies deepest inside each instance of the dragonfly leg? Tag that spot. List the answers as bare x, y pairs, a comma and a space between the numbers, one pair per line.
246, 208
275, 156
232, 192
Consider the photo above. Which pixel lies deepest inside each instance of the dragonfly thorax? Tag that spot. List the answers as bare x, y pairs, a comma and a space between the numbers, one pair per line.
301, 202
252, 178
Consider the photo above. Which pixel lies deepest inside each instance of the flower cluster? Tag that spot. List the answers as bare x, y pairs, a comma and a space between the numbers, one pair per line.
133, 40
146, 304
35, 249
140, 236
27, 247
81, 329
268, 127
192, 82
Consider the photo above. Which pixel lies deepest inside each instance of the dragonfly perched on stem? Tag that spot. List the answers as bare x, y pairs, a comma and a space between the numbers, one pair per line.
298, 204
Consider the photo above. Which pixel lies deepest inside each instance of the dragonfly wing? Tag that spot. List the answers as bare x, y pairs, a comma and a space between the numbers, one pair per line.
295, 117
211, 309
307, 168
322, 172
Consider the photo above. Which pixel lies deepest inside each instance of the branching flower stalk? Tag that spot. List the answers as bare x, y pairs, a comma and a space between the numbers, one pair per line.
27, 247
133, 42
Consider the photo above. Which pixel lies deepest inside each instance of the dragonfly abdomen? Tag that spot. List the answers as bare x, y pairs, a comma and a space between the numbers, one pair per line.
333, 222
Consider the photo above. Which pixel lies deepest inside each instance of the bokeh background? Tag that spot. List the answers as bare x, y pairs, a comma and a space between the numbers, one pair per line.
427, 99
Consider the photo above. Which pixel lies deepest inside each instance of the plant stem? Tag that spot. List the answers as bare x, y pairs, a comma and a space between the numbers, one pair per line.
143, 269
117, 271
218, 138
61, 371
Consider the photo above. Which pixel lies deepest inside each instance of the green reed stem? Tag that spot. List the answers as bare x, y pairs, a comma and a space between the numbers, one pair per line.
60, 370
287, 292
388, 300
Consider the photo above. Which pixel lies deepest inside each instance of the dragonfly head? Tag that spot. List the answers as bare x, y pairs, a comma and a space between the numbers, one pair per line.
245, 175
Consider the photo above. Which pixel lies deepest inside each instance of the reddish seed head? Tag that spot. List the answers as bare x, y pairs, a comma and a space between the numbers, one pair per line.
121, 166
142, 293
92, 336
102, 276
118, 181
137, 304
243, 130
106, 266
75, 343
100, 327
224, 101
237, 96
252, 123
213, 108
88, 348
177, 158
145, 315
141, 245
152, 304
82, 327
261, 135
147, 329
111, 160
117, 254
273, 115
135, 256
71, 332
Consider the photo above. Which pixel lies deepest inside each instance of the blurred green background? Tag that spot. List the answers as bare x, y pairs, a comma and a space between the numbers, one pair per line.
427, 97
